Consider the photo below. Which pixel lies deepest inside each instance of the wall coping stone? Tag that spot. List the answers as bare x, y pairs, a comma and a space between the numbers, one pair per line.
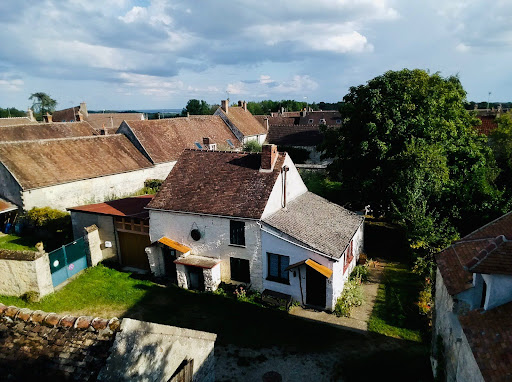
10, 254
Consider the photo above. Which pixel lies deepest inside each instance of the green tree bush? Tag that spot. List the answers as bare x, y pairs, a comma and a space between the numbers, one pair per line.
42, 104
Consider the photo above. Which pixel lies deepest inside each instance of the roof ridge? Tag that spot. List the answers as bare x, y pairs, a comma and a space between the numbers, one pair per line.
488, 224
60, 321
62, 139
484, 253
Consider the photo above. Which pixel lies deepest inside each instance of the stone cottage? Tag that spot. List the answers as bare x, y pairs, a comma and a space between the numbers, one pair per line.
241, 122
248, 218
473, 306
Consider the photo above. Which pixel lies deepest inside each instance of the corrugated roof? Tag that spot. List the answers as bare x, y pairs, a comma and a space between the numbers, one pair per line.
165, 139
218, 183
133, 207
30, 132
12, 121
318, 223
48, 162
244, 121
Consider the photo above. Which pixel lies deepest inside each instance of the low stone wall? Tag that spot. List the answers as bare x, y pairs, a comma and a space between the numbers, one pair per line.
24, 271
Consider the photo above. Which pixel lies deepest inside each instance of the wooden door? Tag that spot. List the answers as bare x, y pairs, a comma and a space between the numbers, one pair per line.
132, 248
315, 288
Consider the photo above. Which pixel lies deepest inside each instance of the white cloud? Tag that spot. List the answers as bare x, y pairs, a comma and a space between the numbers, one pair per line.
11, 85
298, 84
135, 14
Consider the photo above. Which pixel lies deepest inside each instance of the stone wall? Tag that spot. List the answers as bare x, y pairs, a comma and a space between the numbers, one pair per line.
106, 232
24, 271
93, 242
211, 278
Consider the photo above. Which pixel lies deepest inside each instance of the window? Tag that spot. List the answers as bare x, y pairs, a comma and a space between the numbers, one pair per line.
338, 121
230, 144
310, 121
236, 233
322, 121
198, 146
276, 268
240, 270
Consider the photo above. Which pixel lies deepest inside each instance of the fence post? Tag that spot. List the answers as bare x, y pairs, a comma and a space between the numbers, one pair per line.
65, 259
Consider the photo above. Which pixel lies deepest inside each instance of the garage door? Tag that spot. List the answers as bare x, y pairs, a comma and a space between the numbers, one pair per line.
133, 252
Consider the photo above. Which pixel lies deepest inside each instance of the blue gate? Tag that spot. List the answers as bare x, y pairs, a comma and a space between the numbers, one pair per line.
67, 261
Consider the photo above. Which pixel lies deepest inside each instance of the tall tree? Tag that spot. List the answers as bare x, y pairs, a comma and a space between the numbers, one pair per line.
196, 107
42, 103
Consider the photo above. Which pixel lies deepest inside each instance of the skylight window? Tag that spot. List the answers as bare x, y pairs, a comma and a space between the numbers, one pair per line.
230, 143
198, 146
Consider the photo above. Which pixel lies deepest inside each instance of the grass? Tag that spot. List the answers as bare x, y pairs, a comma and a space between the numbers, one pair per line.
17, 243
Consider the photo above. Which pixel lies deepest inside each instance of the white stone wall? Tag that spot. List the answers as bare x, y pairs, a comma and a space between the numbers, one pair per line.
211, 278
294, 188
214, 240
9, 188
156, 260
18, 277
182, 276
95, 190
258, 138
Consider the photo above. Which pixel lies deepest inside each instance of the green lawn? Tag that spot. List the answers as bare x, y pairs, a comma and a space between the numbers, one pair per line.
17, 243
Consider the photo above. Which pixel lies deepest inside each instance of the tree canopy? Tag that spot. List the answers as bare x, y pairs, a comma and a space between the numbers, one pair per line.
42, 104
196, 107
407, 147
11, 112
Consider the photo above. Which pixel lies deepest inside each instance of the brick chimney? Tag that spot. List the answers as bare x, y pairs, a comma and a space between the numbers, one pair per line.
79, 117
268, 157
83, 109
240, 103
224, 105
47, 118
266, 124
244, 105
206, 142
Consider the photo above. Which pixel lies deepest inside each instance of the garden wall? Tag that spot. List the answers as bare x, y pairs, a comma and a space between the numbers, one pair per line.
24, 271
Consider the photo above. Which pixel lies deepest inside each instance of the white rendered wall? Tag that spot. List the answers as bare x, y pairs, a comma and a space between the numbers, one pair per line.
499, 290
214, 240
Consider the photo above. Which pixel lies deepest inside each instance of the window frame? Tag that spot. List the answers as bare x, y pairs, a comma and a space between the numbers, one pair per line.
277, 279
239, 275
234, 232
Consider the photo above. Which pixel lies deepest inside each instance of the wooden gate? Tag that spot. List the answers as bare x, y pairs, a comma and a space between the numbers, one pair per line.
184, 372
67, 261
133, 250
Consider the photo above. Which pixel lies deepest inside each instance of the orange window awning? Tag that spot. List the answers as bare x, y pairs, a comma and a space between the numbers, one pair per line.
174, 245
322, 269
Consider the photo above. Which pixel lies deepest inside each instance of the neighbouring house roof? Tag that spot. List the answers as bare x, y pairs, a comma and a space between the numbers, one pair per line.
165, 139
28, 132
488, 124
66, 115
11, 121
496, 258
319, 224
277, 120
294, 135
36, 344
489, 334
43, 163
454, 261
244, 121
126, 207
111, 121
218, 183
5, 206
316, 118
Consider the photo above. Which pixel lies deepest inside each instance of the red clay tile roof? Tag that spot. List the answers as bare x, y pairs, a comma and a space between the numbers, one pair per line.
133, 206
218, 183
111, 121
496, 258
294, 135
277, 120
331, 118
30, 132
65, 115
488, 124
12, 121
489, 334
44, 163
244, 121
35, 345
165, 139
452, 260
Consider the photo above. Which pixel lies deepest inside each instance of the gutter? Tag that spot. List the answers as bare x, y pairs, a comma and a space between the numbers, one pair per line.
202, 214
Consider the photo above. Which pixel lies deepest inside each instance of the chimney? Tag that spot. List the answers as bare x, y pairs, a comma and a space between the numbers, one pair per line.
244, 105
266, 124
111, 122
240, 103
83, 109
224, 105
47, 118
188, 114
268, 157
282, 110
30, 115
79, 117
206, 142
303, 113
103, 131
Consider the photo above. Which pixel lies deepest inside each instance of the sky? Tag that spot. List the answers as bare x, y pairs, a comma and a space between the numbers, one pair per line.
153, 54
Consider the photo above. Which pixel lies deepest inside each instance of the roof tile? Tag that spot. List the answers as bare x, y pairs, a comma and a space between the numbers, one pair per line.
29, 132
244, 121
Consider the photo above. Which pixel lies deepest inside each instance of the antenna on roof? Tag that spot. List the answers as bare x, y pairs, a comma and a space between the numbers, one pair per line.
227, 92
488, 98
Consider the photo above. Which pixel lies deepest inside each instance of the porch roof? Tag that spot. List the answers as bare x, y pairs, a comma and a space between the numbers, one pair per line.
174, 245
313, 264
5, 206
197, 261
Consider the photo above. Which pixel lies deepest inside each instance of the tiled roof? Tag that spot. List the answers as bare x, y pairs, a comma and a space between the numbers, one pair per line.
44, 163
496, 258
111, 121
294, 135
218, 183
12, 121
488, 124
453, 260
133, 207
489, 334
165, 139
5, 206
35, 344
244, 121
331, 118
277, 120
45, 131
65, 115
318, 223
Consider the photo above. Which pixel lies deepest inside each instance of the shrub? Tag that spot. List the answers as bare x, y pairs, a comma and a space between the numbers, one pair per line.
48, 218
153, 184
252, 147
352, 296
31, 297
361, 272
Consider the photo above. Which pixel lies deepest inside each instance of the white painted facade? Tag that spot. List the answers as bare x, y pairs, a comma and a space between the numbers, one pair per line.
258, 138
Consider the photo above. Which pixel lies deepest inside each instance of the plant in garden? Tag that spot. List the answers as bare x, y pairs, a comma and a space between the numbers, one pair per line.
351, 296
252, 147
241, 293
361, 272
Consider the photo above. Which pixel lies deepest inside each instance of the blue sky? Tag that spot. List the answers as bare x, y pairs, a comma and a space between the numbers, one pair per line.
122, 54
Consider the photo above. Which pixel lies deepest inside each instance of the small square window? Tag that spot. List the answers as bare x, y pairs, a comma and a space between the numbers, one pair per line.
310, 121
236, 232
276, 268
338, 121
198, 145
322, 121
240, 270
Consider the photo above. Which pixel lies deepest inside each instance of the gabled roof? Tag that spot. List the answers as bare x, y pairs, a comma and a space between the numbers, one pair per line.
277, 120
331, 118
165, 139
454, 261
489, 334
12, 121
29, 132
66, 115
321, 225
36, 164
496, 258
244, 121
294, 135
218, 183
111, 121
126, 207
